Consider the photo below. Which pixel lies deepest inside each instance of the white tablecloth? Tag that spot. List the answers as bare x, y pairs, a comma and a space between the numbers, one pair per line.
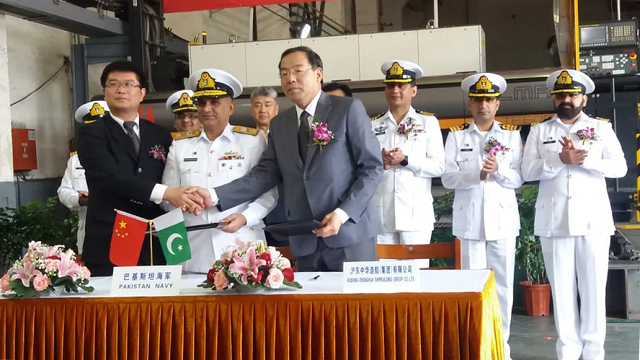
432, 281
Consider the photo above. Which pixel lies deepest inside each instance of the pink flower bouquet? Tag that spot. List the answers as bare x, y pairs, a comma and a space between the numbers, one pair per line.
252, 264
406, 128
320, 133
493, 146
42, 269
588, 134
157, 152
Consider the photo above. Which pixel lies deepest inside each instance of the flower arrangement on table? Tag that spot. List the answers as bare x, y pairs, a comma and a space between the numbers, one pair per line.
493, 147
42, 269
588, 134
252, 264
321, 135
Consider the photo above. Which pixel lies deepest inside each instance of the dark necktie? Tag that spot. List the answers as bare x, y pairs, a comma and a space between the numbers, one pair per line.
303, 135
128, 125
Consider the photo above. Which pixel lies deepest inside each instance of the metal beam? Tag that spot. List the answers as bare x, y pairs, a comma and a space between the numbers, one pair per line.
106, 50
79, 75
175, 44
64, 16
137, 44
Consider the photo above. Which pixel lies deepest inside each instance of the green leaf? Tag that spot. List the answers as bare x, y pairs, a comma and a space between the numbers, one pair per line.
294, 284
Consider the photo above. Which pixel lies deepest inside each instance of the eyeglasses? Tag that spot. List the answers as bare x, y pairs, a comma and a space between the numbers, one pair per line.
393, 85
184, 115
129, 85
295, 72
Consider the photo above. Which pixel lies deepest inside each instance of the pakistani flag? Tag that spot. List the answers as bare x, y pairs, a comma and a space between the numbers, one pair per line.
173, 237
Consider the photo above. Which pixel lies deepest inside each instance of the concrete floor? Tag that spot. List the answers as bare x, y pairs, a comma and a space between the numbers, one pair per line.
534, 338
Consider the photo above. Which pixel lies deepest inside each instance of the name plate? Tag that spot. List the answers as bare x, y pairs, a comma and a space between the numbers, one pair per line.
146, 280
392, 276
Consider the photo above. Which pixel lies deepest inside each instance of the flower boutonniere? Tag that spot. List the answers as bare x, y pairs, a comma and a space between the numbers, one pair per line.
588, 134
321, 135
493, 147
157, 152
406, 128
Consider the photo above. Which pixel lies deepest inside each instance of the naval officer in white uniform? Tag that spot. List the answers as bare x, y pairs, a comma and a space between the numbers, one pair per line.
571, 154
412, 154
217, 155
483, 161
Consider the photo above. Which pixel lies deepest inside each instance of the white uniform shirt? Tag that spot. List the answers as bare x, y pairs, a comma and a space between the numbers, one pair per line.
197, 161
483, 210
573, 199
403, 198
73, 181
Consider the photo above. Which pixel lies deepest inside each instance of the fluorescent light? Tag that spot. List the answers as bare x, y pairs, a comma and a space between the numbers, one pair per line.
305, 30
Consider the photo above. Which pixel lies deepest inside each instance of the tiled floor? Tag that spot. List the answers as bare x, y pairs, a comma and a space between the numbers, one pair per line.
534, 338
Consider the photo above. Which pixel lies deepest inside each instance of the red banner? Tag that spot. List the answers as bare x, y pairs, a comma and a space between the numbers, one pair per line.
173, 6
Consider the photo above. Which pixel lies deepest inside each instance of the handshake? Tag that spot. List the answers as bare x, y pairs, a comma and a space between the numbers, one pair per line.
193, 199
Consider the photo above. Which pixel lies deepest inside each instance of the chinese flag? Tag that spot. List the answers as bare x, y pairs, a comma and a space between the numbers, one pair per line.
127, 238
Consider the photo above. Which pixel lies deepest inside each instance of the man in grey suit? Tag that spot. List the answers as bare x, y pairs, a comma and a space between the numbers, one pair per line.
328, 180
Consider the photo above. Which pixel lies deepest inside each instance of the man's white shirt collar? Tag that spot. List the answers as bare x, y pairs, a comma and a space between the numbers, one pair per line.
582, 117
495, 127
136, 128
411, 114
226, 133
311, 108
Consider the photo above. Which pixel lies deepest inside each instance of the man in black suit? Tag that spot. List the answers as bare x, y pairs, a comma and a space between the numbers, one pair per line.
122, 170
329, 181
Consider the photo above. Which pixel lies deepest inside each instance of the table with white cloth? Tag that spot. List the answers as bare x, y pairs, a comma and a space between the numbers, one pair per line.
456, 316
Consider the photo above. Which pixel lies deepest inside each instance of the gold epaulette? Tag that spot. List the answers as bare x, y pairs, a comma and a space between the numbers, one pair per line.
541, 121
426, 113
88, 122
459, 127
376, 117
185, 134
73, 153
602, 119
246, 130
509, 127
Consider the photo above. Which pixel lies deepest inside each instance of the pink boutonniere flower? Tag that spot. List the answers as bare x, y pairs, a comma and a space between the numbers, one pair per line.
493, 147
406, 128
157, 152
588, 134
321, 135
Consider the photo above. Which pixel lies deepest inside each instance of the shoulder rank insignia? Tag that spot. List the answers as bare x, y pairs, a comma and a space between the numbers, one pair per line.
426, 113
184, 134
246, 130
71, 154
88, 122
602, 119
376, 117
459, 127
509, 127
541, 121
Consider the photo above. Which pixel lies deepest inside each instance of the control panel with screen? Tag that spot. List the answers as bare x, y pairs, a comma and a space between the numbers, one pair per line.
609, 48
622, 33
